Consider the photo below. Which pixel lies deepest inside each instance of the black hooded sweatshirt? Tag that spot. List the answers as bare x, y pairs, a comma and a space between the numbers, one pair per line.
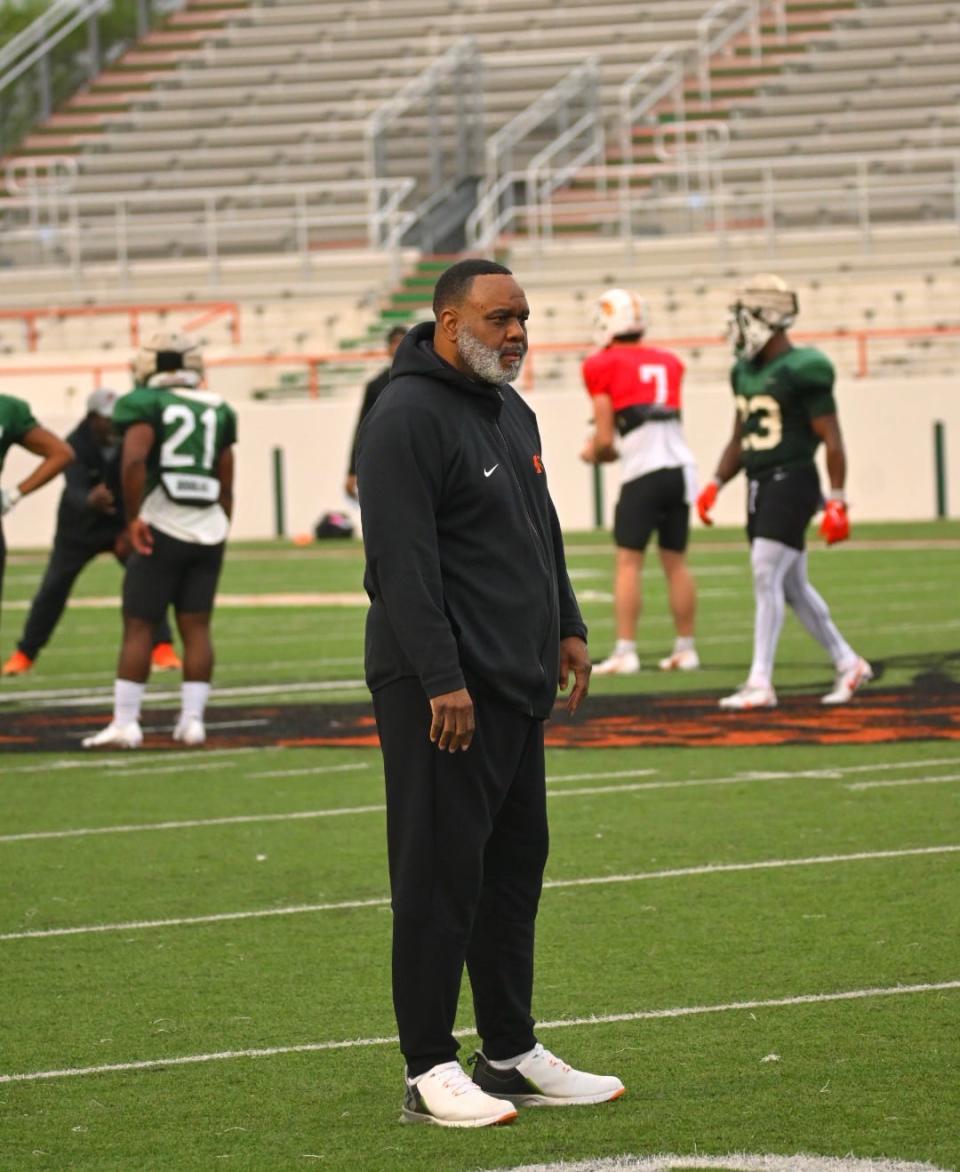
465, 568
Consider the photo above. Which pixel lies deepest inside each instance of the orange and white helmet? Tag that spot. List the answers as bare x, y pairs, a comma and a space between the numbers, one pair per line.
618, 312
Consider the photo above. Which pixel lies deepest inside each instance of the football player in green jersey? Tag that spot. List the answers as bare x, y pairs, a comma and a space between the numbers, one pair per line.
784, 410
18, 426
177, 481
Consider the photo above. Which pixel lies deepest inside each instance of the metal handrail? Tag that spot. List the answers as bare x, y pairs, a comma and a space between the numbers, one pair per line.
485, 222
746, 15
37, 32
669, 63
460, 69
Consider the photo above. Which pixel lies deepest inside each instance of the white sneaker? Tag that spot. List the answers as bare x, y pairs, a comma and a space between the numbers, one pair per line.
190, 730
681, 661
544, 1080
448, 1097
626, 663
848, 682
749, 696
116, 736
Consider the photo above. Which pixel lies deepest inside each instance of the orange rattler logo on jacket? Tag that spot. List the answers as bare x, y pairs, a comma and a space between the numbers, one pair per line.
537, 463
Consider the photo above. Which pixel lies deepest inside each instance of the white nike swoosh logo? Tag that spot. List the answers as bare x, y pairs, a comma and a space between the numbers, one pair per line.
491, 471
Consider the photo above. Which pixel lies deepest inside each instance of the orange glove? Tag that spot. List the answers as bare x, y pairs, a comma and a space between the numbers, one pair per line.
835, 525
706, 500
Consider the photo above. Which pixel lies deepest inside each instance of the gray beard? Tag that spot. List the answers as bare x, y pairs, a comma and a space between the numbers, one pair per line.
484, 360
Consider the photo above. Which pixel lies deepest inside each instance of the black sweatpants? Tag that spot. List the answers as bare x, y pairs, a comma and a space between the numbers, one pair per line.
67, 559
467, 843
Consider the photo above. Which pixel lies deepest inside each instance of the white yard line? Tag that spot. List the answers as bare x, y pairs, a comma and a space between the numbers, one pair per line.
312, 770
862, 785
117, 761
553, 779
469, 1031
353, 598
95, 698
188, 763
190, 824
733, 1162
590, 881
191, 764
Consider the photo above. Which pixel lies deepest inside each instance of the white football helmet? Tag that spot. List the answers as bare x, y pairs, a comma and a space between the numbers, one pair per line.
167, 354
618, 312
762, 307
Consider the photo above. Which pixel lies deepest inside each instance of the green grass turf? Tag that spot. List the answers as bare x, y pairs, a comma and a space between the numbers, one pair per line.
873, 1076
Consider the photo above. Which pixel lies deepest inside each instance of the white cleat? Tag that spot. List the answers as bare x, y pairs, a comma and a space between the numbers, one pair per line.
189, 730
748, 697
447, 1096
848, 682
116, 736
681, 661
544, 1080
626, 663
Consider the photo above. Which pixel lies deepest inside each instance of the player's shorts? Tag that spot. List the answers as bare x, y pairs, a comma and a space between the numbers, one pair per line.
183, 573
654, 502
780, 505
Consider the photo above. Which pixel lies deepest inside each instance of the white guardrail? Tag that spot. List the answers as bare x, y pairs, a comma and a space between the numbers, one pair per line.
48, 225
733, 196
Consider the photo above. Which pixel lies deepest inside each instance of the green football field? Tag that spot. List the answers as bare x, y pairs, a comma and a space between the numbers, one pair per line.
754, 922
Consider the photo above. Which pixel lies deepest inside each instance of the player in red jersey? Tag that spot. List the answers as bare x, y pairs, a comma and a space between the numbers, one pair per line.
636, 395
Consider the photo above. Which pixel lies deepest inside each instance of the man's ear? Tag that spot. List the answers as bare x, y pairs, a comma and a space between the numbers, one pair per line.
448, 322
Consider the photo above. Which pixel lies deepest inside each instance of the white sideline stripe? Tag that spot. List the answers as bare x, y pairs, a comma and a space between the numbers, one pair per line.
862, 785
591, 881
469, 1031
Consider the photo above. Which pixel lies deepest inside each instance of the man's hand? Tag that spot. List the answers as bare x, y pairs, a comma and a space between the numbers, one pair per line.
835, 525
141, 536
452, 726
8, 498
100, 499
574, 657
350, 486
706, 500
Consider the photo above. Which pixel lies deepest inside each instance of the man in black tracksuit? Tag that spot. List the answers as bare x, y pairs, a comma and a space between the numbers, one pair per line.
89, 522
472, 625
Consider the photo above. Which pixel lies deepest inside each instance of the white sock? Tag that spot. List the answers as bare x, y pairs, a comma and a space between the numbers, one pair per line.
509, 1063
193, 699
127, 698
770, 561
813, 612
624, 647
682, 643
